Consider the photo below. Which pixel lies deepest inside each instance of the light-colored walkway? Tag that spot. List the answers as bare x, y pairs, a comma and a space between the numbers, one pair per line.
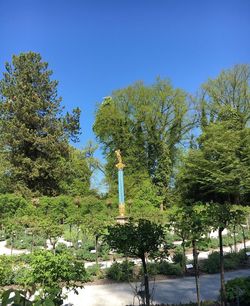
181, 290
7, 251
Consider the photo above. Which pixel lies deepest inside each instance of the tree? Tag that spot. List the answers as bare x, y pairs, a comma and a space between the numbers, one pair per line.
34, 133
213, 171
96, 225
190, 223
77, 174
137, 240
48, 274
146, 123
216, 170
52, 232
229, 91
146, 203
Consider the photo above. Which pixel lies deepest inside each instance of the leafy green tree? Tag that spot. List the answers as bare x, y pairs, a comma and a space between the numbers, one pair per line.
50, 273
137, 240
191, 224
146, 203
96, 221
51, 231
77, 174
146, 123
216, 169
177, 222
213, 171
11, 204
226, 93
34, 133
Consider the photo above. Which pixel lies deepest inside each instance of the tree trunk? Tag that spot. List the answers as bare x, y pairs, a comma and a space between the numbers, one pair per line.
222, 276
146, 283
12, 242
184, 268
70, 234
96, 249
244, 241
235, 243
196, 271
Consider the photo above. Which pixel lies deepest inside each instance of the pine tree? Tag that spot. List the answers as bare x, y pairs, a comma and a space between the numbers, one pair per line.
34, 133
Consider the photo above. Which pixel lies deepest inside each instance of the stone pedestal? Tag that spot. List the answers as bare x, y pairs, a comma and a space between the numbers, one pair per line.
121, 219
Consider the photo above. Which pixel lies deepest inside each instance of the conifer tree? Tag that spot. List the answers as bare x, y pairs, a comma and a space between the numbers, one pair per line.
34, 133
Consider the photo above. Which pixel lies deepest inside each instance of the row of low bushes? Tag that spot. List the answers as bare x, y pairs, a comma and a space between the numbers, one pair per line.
127, 271
232, 261
11, 267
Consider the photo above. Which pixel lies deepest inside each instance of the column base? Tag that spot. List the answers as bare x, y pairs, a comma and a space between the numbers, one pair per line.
121, 219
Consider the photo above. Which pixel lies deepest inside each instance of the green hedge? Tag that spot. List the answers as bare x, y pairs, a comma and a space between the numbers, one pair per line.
121, 271
238, 289
232, 261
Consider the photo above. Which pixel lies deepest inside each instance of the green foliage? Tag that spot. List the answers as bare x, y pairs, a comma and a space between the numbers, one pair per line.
93, 272
178, 258
217, 169
47, 272
34, 133
146, 123
121, 271
6, 272
25, 241
232, 261
167, 268
84, 254
77, 174
238, 291
11, 204
19, 297
135, 239
146, 203
212, 263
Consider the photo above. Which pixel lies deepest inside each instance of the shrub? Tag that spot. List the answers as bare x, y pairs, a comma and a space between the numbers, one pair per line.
6, 272
153, 268
121, 271
242, 256
83, 254
178, 258
167, 268
61, 247
2, 235
93, 272
231, 261
26, 241
238, 288
212, 263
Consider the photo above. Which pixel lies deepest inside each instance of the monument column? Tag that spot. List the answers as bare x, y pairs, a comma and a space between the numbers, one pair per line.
120, 166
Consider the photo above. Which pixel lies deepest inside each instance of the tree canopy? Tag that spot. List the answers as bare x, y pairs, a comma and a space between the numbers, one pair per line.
147, 124
35, 133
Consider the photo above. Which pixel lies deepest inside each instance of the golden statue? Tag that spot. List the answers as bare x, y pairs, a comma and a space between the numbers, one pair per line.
120, 164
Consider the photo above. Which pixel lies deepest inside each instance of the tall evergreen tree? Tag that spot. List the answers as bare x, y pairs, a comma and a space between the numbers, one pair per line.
34, 133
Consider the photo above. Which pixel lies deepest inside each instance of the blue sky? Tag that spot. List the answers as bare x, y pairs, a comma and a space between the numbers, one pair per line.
95, 47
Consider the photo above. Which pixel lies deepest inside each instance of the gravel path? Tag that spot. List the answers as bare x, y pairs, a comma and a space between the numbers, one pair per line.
179, 290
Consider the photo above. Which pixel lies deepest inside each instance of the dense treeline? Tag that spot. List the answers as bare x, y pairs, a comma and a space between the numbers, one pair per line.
187, 161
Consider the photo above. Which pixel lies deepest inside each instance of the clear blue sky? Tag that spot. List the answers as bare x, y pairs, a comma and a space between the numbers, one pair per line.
94, 46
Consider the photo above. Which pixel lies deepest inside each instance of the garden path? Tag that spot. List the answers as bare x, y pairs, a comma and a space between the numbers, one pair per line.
178, 290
